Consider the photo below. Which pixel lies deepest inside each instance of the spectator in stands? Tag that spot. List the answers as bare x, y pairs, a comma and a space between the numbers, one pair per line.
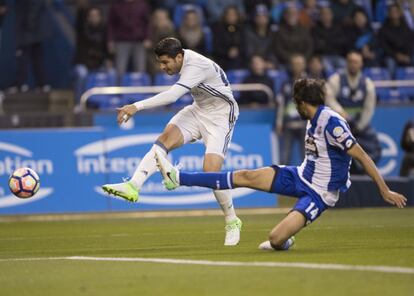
343, 10
407, 144
352, 95
32, 29
316, 69
228, 40
329, 41
396, 39
128, 34
292, 38
259, 36
217, 8
288, 122
91, 46
257, 75
309, 14
191, 32
160, 27
362, 38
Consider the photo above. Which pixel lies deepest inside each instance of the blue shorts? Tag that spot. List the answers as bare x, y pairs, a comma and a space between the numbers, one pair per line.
288, 182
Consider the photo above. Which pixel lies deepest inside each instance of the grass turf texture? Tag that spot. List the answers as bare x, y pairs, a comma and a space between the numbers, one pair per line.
358, 237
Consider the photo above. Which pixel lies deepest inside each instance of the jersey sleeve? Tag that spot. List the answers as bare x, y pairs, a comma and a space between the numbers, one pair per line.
191, 77
338, 134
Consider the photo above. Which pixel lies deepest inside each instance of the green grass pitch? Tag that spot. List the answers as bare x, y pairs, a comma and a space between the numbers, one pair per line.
353, 237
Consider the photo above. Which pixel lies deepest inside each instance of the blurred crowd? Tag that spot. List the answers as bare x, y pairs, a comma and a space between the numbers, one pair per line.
262, 35
349, 43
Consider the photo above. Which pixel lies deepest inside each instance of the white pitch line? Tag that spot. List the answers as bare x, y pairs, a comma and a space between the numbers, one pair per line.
303, 265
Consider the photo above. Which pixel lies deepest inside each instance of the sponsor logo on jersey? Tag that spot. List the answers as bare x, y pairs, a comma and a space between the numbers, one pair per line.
337, 131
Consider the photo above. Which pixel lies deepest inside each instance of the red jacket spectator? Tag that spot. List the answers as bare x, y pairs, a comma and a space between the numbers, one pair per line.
128, 20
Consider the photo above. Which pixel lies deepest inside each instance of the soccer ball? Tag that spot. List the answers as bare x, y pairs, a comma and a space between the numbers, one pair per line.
24, 183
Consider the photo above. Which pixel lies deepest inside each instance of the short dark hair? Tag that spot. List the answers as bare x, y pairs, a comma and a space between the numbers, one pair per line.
169, 46
310, 91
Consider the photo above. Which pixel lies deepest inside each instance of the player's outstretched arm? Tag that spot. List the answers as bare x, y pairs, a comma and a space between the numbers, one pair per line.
389, 196
164, 98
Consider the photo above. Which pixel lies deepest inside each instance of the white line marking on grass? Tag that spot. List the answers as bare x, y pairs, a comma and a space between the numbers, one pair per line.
303, 265
327, 266
33, 259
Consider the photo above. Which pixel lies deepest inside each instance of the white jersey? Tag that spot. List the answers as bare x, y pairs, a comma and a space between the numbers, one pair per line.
214, 112
326, 165
208, 85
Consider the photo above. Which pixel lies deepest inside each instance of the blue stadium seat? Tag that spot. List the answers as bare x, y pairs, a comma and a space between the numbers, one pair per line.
165, 79
237, 77
405, 73
279, 77
381, 10
101, 79
135, 79
378, 73
180, 11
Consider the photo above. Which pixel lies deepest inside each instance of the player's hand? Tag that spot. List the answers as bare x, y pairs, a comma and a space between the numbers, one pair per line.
395, 198
125, 113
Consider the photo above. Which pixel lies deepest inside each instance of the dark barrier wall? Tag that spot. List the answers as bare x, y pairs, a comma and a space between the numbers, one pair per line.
364, 193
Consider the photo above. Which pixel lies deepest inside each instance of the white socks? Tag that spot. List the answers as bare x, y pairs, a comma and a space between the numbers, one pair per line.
147, 166
225, 201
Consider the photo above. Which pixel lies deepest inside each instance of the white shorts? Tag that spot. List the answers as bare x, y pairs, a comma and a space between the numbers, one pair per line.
215, 132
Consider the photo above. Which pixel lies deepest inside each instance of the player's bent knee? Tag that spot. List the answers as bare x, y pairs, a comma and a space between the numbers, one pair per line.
276, 240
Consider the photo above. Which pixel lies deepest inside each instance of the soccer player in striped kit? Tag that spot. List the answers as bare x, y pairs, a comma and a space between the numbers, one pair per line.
329, 148
210, 118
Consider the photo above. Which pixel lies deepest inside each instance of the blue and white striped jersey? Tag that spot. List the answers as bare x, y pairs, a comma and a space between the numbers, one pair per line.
326, 165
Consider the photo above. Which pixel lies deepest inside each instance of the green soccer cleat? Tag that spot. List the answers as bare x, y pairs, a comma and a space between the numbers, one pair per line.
170, 174
125, 190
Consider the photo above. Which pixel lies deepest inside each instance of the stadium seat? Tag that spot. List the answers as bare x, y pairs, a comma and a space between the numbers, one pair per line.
135, 79
237, 77
102, 79
279, 77
162, 79
405, 73
181, 9
378, 73
165, 79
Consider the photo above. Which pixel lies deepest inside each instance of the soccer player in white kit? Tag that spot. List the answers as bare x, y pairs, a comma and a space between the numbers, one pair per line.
210, 118
329, 147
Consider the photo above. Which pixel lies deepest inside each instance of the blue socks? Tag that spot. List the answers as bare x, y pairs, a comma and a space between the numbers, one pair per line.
217, 181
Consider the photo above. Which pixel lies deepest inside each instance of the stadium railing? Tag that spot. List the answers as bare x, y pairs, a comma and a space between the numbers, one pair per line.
117, 90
